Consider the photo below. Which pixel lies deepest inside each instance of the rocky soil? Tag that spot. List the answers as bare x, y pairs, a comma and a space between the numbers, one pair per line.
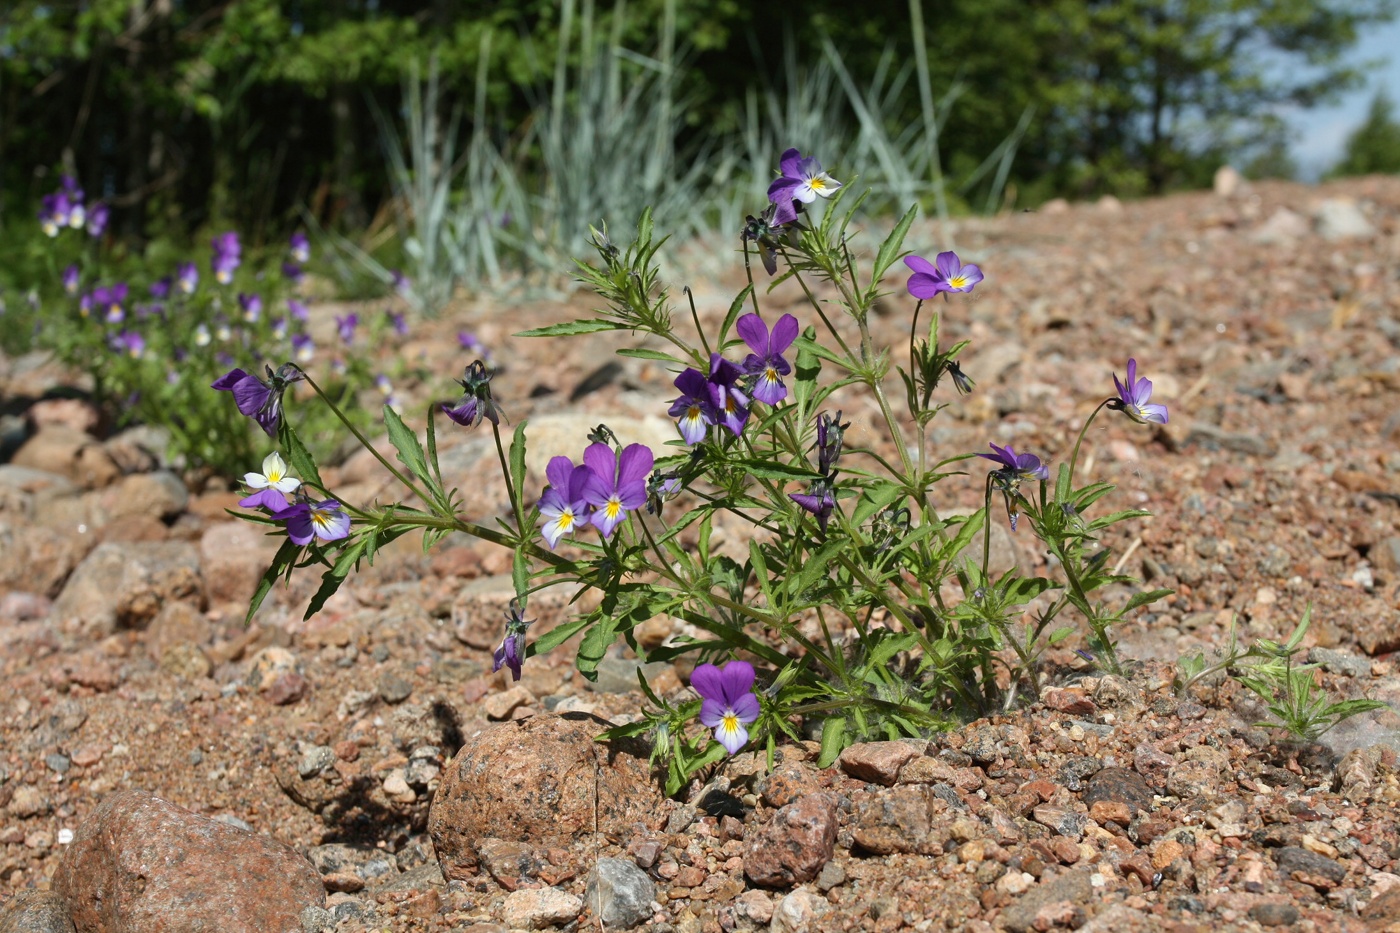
161, 765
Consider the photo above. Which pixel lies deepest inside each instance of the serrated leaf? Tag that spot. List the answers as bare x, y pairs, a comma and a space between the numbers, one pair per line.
642, 353
1142, 599
410, 451
558, 635
570, 328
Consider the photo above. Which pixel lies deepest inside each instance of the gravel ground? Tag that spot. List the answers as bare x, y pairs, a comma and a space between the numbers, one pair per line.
1269, 319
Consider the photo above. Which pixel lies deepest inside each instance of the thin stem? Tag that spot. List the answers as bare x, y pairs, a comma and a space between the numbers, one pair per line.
335, 409
516, 506
1074, 457
695, 316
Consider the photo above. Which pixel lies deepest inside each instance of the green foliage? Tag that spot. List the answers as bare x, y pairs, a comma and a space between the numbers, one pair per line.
1290, 691
1374, 146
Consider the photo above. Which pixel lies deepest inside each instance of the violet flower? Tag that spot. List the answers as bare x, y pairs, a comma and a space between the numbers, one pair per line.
252, 306
160, 289
767, 361
1017, 466
948, 275
187, 277
345, 327
228, 256
202, 337
1133, 394
694, 410
280, 326
618, 485
302, 348
293, 273
129, 342
727, 701
54, 212
402, 284
476, 402
72, 278
819, 500
298, 310
563, 502
273, 484
511, 652
801, 180
97, 219
831, 436
300, 247
259, 400
325, 520
399, 322
730, 404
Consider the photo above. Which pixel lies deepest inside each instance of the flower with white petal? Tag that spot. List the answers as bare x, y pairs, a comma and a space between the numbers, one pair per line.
273, 476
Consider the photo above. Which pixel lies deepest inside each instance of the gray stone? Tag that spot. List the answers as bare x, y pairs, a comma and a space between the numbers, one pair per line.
1075, 888
1283, 226
1342, 219
316, 919
394, 689
126, 584
315, 759
538, 908
1339, 662
799, 912
35, 912
371, 865
619, 893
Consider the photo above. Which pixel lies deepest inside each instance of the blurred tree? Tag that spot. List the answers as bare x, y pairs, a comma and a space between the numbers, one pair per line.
1374, 146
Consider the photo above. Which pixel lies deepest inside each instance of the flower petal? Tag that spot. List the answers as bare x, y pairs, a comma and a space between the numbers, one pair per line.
559, 471
708, 682
736, 680
635, 465
747, 708
602, 461
754, 333
783, 335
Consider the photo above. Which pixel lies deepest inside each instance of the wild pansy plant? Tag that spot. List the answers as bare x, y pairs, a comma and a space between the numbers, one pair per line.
155, 335
854, 609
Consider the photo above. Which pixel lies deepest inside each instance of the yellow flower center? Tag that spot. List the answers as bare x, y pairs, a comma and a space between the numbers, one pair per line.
731, 722
693, 413
613, 509
566, 519
817, 183
322, 519
958, 281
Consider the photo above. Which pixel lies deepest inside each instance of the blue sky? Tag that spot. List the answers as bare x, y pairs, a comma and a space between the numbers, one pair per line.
1320, 133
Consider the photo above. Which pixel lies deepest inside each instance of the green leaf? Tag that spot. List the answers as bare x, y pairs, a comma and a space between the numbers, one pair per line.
569, 328
892, 247
875, 499
766, 469
808, 369
517, 461
1142, 599
283, 559
332, 578
410, 451
596, 642
642, 353
558, 635
833, 741
298, 457
520, 572
736, 307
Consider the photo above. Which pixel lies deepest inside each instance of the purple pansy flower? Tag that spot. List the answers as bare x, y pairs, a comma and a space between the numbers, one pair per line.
129, 342
302, 348
401, 282
293, 273
228, 256
801, 180
72, 278
694, 410
160, 288
298, 310
727, 701
345, 327
476, 402
831, 436
819, 499
187, 277
97, 219
730, 404
766, 361
1133, 394
325, 520
252, 306
618, 485
300, 247
511, 652
947, 275
54, 211
1017, 466
280, 327
563, 502
398, 321
257, 399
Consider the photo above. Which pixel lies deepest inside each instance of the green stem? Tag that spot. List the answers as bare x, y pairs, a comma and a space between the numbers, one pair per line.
1074, 457
516, 506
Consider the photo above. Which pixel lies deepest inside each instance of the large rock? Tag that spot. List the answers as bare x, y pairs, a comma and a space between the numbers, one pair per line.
23, 489
1342, 219
126, 584
71, 453
35, 912
159, 495
538, 780
794, 845
38, 560
234, 556
142, 864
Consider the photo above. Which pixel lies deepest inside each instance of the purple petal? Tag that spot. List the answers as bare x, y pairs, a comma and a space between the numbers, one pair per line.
769, 391
922, 265
602, 461
780, 191
784, 333
251, 395
948, 264
559, 472
711, 712
1155, 413
790, 162
269, 499
692, 383
736, 680
971, 275
1132, 370
746, 708
708, 682
635, 465
785, 213
228, 380
925, 286
754, 332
